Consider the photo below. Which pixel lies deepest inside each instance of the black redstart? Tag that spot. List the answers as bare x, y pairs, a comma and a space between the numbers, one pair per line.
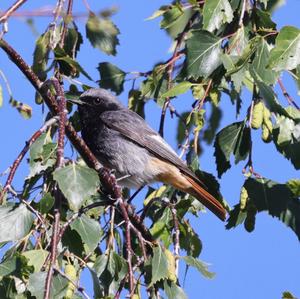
121, 140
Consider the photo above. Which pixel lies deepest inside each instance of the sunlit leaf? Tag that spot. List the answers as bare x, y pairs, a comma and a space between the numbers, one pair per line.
216, 13
286, 53
173, 291
36, 258
159, 265
15, 222
89, 231
178, 89
77, 183
199, 265
203, 54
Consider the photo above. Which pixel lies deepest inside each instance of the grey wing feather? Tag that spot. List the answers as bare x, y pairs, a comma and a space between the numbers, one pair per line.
133, 127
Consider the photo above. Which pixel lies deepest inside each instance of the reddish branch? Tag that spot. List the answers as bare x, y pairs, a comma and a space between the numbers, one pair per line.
20, 157
170, 69
287, 95
49, 99
58, 195
108, 180
128, 244
176, 237
9, 11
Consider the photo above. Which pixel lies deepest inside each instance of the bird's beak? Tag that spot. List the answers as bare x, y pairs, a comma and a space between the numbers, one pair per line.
76, 101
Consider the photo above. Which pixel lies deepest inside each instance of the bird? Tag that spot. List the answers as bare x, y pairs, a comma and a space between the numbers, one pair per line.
122, 141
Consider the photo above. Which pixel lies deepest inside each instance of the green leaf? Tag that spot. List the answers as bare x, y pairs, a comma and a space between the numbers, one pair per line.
97, 287
36, 258
286, 53
216, 13
155, 85
175, 19
178, 89
15, 222
286, 127
294, 186
286, 137
36, 285
68, 65
259, 64
46, 203
199, 265
245, 57
73, 40
37, 163
203, 54
72, 241
277, 199
159, 265
233, 139
189, 239
41, 55
102, 33
8, 266
288, 295
173, 291
293, 113
89, 231
111, 77
213, 124
136, 102
267, 93
77, 183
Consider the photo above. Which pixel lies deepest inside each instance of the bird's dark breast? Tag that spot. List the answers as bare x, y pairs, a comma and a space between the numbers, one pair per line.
116, 152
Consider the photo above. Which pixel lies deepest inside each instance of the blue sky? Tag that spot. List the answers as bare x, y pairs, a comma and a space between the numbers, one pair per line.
259, 265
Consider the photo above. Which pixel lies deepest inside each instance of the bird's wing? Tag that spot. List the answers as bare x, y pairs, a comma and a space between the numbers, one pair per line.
133, 127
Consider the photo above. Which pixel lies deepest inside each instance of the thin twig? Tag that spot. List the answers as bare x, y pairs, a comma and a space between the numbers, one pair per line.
25, 149
67, 19
43, 89
170, 70
287, 95
176, 237
120, 203
242, 13
58, 195
6, 83
10, 10
53, 253
207, 90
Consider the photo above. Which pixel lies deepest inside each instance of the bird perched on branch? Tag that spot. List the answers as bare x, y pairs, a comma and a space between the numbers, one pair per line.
122, 140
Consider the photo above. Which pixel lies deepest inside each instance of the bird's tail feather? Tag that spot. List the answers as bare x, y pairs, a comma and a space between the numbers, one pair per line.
206, 198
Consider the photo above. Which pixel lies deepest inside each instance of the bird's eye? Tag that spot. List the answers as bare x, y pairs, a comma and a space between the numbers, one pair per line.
97, 101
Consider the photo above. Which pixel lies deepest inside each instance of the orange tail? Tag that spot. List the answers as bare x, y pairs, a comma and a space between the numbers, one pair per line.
206, 198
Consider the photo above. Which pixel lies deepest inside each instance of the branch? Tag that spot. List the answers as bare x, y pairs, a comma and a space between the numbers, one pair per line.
176, 237
120, 203
287, 95
20, 157
10, 10
170, 69
49, 99
58, 198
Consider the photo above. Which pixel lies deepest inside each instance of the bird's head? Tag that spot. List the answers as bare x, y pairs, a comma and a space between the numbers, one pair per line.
95, 101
